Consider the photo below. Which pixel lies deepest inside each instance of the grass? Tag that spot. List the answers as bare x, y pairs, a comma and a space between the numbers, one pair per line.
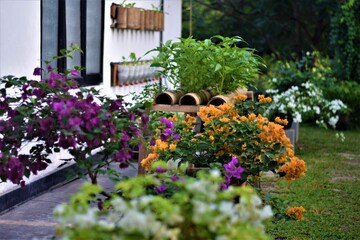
330, 190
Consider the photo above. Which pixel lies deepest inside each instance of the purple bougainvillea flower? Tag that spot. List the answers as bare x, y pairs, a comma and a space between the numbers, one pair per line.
123, 165
160, 169
167, 122
176, 136
66, 142
122, 155
232, 170
57, 106
37, 71
165, 135
144, 119
74, 122
75, 73
115, 105
46, 123
3, 105
14, 170
161, 188
39, 93
131, 116
174, 178
49, 67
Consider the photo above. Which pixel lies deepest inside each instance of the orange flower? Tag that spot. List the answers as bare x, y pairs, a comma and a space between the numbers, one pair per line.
189, 121
240, 97
296, 212
225, 120
281, 121
263, 99
174, 118
172, 146
146, 162
293, 169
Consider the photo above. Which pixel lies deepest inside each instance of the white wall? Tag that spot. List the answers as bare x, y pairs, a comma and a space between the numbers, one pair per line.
119, 43
19, 37
20, 42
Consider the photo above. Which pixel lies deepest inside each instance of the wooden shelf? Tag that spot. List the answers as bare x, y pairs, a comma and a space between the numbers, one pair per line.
176, 108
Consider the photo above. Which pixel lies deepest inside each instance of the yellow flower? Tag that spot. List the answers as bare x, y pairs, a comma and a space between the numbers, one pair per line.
296, 212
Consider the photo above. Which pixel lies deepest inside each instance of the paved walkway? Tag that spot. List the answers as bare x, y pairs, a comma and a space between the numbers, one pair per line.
33, 219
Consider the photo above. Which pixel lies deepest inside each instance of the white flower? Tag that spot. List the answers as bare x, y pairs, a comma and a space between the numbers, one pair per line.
297, 118
333, 121
316, 109
173, 164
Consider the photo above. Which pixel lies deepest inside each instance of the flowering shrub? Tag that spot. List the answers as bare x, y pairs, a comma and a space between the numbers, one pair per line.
54, 114
300, 90
198, 209
237, 130
306, 102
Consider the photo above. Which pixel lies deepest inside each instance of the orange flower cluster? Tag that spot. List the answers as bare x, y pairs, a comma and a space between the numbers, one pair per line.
281, 121
293, 169
240, 97
146, 162
296, 212
263, 99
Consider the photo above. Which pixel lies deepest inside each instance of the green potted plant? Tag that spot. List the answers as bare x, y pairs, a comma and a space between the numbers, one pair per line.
218, 62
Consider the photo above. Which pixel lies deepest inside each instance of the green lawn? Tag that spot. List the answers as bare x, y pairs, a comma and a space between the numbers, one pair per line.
330, 191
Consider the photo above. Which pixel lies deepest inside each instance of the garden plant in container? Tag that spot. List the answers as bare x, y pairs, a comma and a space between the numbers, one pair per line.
219, 63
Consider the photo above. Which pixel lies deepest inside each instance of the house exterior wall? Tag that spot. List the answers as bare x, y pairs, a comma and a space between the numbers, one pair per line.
19, 37
20, 47
120, 43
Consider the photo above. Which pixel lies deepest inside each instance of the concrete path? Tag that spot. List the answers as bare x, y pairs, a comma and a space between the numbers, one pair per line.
33, 219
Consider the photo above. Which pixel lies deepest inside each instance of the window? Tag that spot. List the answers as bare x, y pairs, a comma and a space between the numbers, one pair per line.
74, 21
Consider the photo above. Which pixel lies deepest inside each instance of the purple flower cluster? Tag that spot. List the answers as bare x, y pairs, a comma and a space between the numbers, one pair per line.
232, 170
55, 118
168, 132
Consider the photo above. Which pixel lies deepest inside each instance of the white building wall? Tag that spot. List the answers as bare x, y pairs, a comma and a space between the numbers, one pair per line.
20, 47
120, 43
19, 37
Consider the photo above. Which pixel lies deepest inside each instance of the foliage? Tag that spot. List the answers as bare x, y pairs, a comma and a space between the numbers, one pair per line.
330, 191
41, 118
228, 130
299, 90
344, 40
217, 62
197, 210
272, 27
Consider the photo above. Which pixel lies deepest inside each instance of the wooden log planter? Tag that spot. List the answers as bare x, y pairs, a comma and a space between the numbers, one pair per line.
170, 97
202, 97
121, 17
229, 98
133, 18
130, 17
